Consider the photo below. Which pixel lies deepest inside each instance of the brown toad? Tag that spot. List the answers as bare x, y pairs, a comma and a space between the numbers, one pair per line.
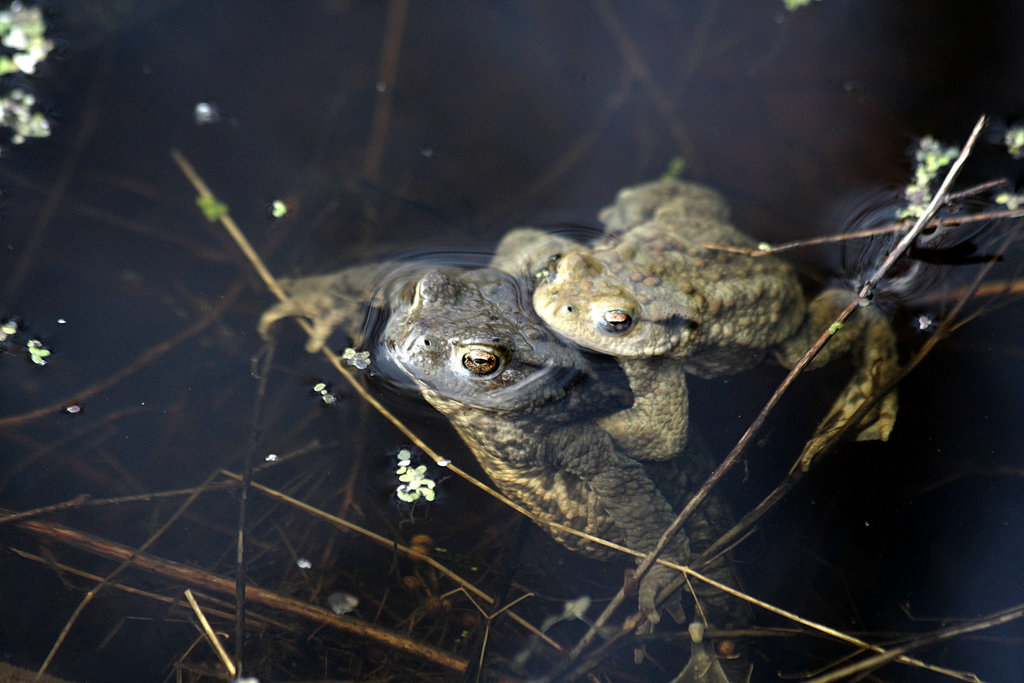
529, 406
648, 291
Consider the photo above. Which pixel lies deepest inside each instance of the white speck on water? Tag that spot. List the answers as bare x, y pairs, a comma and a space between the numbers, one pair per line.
341, 602
206, 113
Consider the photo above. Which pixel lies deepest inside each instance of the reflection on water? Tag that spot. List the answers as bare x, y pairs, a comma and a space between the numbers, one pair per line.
389, 128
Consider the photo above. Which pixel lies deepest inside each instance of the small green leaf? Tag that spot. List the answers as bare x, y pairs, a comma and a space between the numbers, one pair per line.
675, 168
211, 207
278, 208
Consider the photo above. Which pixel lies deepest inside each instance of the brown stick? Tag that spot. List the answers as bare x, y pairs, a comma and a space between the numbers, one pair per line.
212, 582
263, 621
386, 77
979, 624
210, 634
872, 232
467, 586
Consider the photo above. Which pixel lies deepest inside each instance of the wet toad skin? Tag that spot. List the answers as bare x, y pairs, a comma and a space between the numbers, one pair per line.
529, 406
647, 290
656, 426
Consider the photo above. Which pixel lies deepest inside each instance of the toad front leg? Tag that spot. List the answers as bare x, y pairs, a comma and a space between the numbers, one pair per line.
656, 426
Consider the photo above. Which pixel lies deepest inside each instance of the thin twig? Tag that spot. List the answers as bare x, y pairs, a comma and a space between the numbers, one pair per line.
192, 576
147, 357
334, 520
163, 599
243, 505
735, 454
949, 221
59, 187
929, 213
210, 635
638, 68
85, 501
488, 618
979, 624
951, 322
127, 562
386, 78
77, 501
636, 619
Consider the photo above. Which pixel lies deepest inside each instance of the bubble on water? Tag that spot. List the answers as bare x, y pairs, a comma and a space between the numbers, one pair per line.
924, 322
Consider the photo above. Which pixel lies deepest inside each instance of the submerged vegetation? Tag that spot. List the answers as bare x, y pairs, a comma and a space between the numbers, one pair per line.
23, 34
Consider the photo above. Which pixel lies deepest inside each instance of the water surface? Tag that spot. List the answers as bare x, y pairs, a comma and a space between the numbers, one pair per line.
437, 128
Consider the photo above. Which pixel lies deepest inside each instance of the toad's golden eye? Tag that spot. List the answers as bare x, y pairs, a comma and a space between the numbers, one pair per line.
615, 321
549, 268
481, 361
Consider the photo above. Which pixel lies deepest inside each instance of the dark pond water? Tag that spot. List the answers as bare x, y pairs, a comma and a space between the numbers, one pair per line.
436, 127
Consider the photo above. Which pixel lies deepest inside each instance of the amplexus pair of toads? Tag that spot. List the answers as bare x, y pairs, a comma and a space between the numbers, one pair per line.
654, 292
567, 434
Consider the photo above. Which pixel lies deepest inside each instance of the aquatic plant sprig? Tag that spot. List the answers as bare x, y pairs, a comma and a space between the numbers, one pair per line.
360, 360
23, 34
794, 5
23, 30
414, 482
1013, 139
37, 351
931, 156
8, 329
17, 113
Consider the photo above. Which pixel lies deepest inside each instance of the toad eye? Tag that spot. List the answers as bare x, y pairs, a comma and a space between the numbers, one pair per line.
548, 270
481, 361
615, 321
